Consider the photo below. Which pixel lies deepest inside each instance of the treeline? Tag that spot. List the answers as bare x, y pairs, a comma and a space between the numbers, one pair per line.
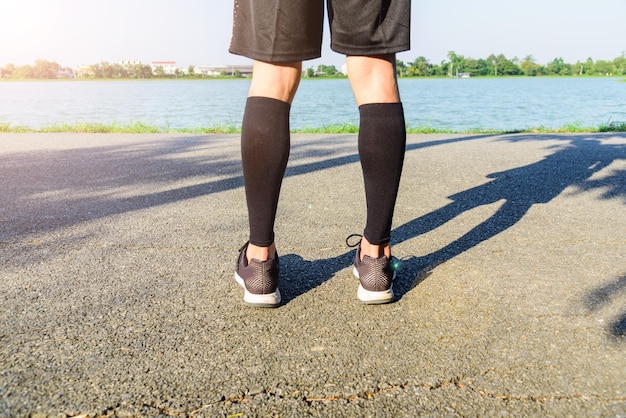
44, 69
456, 66
41, 70
499, 65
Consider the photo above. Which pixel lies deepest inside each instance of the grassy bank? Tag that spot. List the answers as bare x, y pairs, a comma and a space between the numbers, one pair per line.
139, 128
115, 127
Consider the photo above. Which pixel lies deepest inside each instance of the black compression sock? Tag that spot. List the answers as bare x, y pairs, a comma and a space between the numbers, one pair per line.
382, 141
265, 146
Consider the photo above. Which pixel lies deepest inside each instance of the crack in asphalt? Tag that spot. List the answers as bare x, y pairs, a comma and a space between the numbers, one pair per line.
457, 382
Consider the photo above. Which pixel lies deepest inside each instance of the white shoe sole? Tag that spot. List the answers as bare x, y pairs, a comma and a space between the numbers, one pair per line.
270, 300
369, 297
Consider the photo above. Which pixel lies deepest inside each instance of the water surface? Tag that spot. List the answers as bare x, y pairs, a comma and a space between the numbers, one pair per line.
457, 104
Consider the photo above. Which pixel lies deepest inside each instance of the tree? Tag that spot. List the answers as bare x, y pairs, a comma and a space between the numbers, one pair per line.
420, 67
119, 71
445, 68
579, 67
146, 71
567, 70
326, 69
493, 62
438, 70
159, 71
455, 63
528, 66
620, 64
452, 57
602, 67
97, 72
507, 66
7, 71
484, 68
474, 67
107, 70
587, 67
555, 66
103, 70
23, 72
140, 71
191, 70
45, 69
401, 68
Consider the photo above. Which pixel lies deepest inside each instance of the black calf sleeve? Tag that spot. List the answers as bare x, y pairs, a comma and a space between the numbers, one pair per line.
265, 146
382, 141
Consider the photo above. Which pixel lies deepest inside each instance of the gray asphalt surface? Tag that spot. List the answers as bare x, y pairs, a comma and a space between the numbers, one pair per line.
117, 294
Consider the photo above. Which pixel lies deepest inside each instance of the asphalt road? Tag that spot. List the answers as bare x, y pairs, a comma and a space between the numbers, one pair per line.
117, 294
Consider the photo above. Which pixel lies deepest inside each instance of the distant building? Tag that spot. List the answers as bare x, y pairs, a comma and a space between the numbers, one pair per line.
129, 63
84, 71
169, 67
215, 70
63, 73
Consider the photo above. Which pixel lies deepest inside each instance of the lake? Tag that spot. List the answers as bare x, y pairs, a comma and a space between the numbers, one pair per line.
457, 104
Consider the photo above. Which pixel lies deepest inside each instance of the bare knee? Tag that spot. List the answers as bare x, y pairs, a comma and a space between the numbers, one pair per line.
275, 80
373, 78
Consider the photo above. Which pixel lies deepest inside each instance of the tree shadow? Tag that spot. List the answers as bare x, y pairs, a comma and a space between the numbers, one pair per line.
46, 189
604, 295
572, 164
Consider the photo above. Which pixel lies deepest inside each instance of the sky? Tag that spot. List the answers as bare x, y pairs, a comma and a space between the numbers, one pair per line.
197, 32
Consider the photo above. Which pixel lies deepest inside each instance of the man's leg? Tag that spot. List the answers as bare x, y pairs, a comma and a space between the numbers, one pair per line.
265, 143
382, 142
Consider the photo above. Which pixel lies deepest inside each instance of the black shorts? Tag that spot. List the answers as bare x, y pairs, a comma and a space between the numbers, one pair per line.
291, 30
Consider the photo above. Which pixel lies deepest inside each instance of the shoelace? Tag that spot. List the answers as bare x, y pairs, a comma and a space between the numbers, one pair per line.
395, 262
244, 246
351, 236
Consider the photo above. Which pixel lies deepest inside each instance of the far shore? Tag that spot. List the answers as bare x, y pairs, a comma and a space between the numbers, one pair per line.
333, 77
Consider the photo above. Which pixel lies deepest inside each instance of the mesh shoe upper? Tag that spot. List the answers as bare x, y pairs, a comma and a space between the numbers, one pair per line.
375, 274
260, 277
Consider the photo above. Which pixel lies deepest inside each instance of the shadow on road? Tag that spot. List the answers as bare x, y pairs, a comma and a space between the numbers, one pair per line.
604, 295
572, 164
42, 191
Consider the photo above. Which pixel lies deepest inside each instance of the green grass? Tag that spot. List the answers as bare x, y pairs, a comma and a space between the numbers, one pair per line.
143, 128
613, 127
344, 128
135, 127
115, 127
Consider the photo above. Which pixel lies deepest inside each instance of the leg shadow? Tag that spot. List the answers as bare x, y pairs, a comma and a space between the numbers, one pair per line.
519, 188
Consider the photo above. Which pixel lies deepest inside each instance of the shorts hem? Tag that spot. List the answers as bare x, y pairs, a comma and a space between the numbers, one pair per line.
368, 50
275, 58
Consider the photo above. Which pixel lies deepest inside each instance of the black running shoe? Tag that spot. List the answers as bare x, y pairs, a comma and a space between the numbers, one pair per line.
259, 280
376, 277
